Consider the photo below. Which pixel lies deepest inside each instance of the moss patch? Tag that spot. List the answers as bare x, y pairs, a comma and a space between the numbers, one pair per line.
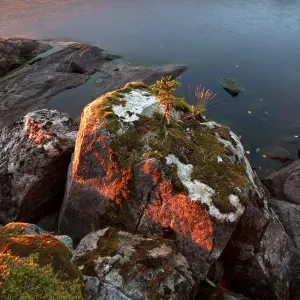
51, 257
24, 278
49, 250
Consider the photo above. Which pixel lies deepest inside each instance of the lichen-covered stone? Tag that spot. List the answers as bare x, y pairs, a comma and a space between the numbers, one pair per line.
133, 170
137, 267
34, 156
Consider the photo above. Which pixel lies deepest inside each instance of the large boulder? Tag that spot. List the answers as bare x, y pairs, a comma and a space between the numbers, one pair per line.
36, 265
188, 179
132, 267
284, 184
64, 65
34, 156
260, 259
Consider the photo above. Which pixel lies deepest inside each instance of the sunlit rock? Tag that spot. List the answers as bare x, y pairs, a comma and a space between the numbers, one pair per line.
132, 170
34, 156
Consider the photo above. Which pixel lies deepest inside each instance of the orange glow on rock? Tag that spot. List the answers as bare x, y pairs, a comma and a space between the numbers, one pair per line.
34, 131
112, 183
94, 165
182, 215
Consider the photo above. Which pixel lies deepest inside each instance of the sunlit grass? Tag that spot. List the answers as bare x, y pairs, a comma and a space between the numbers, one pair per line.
204, 98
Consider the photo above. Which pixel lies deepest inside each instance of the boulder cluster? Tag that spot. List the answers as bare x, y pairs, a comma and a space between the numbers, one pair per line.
153, 209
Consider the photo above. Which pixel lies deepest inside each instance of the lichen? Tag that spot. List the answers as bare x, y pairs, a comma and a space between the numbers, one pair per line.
192, 141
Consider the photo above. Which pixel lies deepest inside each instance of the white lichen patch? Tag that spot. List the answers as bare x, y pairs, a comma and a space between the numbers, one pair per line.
238, 152
135, 103
211, 124
198, 191
162, 251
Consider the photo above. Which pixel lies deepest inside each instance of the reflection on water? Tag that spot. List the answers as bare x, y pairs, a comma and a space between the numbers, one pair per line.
255, 42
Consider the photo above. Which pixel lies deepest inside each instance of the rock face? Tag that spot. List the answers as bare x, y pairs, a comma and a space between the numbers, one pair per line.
285, 183
132, 267
14, 52
134, 171
34, 156
289, 216
60, 66
261, 260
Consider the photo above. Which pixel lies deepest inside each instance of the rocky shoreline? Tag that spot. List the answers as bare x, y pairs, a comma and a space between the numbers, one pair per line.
155, 210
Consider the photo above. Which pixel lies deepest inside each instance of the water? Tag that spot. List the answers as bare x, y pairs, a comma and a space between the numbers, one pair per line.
255, 42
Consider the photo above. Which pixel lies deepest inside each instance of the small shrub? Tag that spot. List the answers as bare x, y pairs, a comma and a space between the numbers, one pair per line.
23, 279
163, 89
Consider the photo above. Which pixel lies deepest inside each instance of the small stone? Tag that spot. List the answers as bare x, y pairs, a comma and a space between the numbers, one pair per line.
249, 112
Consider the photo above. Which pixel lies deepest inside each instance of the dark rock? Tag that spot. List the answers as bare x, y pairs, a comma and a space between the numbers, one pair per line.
281, 154
289, 217
14, 52
284, 184
49, 222
34, 156
218, 293
62, 66
92, 286
260, 259
10, 57
231, 86
135, 266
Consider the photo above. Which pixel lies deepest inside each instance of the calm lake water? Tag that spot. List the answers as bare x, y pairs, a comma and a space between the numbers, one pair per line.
255, 42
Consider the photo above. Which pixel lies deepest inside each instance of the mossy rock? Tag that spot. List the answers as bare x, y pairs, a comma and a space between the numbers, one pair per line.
50, 256
135, 169
136, 266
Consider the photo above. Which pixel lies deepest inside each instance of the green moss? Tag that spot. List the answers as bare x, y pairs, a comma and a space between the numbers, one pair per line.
52, 266
181, 105
49, 250
26, 279
198, 146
